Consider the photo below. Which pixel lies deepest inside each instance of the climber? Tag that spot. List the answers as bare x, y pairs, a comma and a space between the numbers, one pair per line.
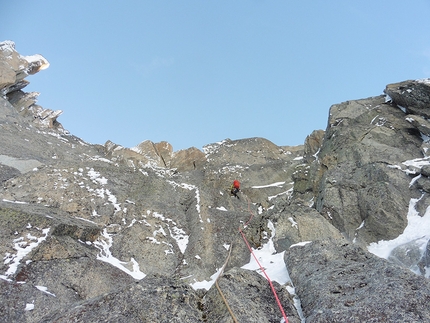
235, 188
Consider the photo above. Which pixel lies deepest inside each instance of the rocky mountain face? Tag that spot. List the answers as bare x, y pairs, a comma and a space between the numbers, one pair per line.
93, 233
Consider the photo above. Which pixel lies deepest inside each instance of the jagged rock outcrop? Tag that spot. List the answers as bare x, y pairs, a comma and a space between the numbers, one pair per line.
115, 234
188, 159
359, 168
364, 179
157, 155
13, 69
413, 96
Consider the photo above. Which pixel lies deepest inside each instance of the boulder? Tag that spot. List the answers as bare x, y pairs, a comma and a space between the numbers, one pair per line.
299, 223
412, 95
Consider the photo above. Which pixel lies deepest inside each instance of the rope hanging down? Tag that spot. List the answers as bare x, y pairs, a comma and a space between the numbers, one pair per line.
219, 289
261, 267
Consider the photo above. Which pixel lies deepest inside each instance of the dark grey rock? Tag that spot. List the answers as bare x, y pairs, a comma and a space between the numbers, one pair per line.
359, 168
7, 172
420, 123
423, 183
297, 223
425, 170
154, 299
249, 298
407, 255
413, 95
339, 282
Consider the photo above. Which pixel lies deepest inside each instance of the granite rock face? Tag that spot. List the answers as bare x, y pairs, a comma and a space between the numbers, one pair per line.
154, 299
246, 294
340, 282
108, 233
361, 166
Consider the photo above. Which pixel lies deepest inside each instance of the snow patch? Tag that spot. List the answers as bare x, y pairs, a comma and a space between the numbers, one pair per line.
205, 284
175, 232
23, 246
418, 230
104, 243
272, 262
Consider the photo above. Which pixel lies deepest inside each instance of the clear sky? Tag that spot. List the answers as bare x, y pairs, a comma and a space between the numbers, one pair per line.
197, 72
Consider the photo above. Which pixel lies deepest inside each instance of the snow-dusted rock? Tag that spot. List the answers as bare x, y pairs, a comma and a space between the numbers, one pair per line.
297, 223
14, 67
359, 169
155, 299
339, 282
90, 231
249, 299
412, 95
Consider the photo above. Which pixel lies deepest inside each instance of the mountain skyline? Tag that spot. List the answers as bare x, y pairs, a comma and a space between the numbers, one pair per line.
193, 73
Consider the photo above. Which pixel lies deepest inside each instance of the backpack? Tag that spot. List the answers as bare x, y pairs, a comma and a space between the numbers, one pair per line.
236, 184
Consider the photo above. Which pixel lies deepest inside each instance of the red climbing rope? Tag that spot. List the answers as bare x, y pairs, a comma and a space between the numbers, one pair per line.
261, 267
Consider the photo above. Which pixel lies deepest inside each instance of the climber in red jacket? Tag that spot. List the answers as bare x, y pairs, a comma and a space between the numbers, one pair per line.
235, 188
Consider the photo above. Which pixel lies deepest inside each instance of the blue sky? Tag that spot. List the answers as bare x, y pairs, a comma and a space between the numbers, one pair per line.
197, 72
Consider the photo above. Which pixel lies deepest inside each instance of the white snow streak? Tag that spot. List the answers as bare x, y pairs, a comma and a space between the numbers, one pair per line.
45, 290
23, 246
204, 284
418, 227
272, 262
104, 244
277, 184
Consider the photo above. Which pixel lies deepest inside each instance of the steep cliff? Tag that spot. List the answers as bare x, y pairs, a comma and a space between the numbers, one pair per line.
146, 234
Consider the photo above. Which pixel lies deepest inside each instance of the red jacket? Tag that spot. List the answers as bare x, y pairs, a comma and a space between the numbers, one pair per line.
236, 184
